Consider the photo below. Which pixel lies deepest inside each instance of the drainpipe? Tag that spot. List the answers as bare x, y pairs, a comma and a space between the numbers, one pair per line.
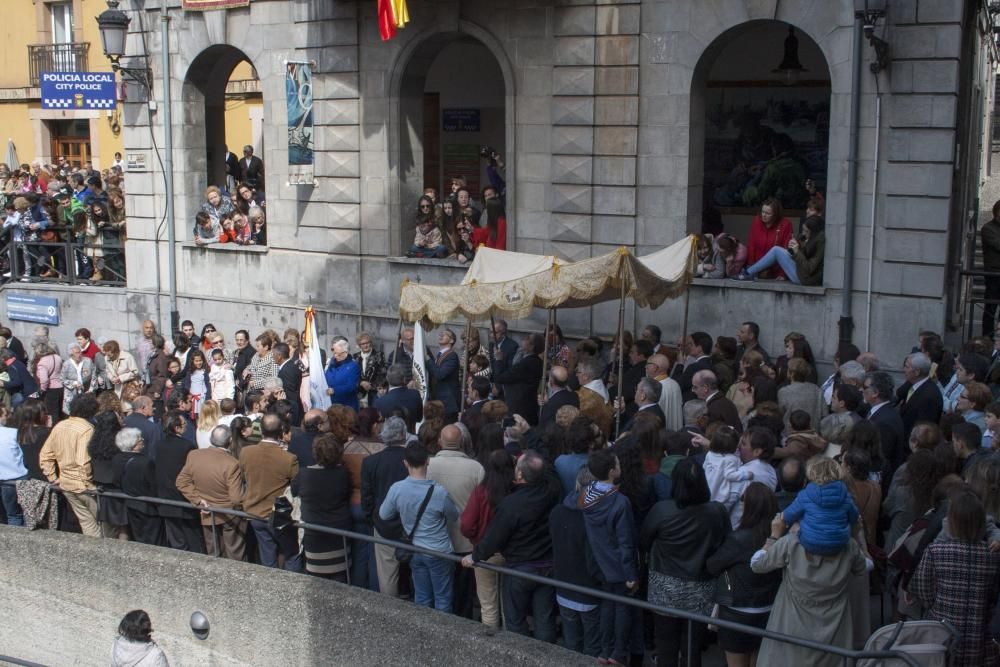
871, 240
846, 323
168, 166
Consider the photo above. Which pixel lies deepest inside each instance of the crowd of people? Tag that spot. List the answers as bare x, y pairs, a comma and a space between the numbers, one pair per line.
50, 204
707, 476
234, 211
772, 249
454, 227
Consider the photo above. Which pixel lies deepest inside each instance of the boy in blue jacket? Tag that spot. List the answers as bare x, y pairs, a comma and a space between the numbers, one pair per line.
824, 510
607, 515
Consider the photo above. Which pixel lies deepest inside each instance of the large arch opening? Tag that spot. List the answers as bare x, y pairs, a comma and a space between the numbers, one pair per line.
454, 100
759, 128
222, 85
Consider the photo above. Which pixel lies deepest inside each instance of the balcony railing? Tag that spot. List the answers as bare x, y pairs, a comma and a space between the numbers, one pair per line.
56, 58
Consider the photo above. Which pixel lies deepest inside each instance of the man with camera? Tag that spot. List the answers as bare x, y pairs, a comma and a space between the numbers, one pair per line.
497, 189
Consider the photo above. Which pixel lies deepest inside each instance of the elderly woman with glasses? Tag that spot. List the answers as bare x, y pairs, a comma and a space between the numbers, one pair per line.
972, 402
343, 375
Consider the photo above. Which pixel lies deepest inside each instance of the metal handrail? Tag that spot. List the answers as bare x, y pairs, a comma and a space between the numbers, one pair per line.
848, 654
65, 57
68, 251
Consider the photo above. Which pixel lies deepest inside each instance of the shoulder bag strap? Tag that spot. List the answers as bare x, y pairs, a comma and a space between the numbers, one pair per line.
420, 512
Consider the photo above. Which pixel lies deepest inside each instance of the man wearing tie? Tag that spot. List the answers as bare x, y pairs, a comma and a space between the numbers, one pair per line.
445, 371
923, 400
252, 169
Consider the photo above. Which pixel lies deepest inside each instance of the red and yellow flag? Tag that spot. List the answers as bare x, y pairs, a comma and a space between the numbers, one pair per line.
392, 14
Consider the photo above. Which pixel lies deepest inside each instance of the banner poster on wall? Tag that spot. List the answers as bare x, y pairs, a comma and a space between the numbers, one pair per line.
299, 95
462, 160
201, 5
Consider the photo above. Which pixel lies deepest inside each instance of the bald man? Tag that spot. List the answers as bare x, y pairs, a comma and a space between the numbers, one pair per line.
671, 400
144, 349
314, 422
142, 419
459, 474
559, 395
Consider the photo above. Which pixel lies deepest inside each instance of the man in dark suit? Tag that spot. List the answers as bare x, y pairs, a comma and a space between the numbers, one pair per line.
479, 393
878, 391
252, 169
640, 353
291, 379
445, 371
922, 401
698, 347
502, 349
313, 423
400, 396
720, 409
647, 398
520, 381
232, 169
141, 418
183, 528
559, 395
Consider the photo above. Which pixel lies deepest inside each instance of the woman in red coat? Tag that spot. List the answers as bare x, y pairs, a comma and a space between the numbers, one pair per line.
494, 234
769, 229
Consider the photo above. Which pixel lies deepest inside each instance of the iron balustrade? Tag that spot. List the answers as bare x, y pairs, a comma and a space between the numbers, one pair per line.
68, 57
24, 258
850, 656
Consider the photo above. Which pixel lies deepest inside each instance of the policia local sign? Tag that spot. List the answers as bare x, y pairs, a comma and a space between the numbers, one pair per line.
78, 90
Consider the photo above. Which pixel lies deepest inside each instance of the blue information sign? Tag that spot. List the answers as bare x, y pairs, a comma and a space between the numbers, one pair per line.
30, 308
78, 90
460, 120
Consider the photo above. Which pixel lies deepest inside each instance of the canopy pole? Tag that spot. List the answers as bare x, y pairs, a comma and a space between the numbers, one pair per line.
399, 341
545, 359
493, 347
621, 352
687, 306
465, 378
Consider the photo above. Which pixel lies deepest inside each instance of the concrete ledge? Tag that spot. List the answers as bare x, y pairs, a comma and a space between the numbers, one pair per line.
760, 285
69, 592
226, 247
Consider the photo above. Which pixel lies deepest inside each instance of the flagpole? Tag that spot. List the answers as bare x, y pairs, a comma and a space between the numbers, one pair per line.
545, 359
621, 351
465, 378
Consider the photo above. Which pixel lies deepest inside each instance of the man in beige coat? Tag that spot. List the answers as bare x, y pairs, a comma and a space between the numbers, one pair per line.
211, 478
459, 474
64, 461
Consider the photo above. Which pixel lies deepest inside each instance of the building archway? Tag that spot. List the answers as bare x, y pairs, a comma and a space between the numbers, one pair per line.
441, 116
212, 74
757, 130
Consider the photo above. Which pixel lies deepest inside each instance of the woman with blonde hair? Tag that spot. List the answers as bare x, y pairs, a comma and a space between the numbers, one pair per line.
120, 366
208, 419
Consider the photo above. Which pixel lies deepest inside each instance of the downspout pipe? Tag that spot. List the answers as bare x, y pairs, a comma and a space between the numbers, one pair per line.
168, 167
846, 323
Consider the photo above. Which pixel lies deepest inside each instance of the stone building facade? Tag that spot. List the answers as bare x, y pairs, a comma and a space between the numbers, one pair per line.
608, 113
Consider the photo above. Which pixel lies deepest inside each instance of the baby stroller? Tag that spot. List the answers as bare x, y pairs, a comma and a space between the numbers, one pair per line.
927, 642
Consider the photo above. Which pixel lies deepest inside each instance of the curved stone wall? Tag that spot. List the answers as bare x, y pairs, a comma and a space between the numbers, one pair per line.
63, 595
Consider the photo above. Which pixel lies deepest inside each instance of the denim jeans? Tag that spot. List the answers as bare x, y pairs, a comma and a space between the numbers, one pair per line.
438, 251
432, 581
269, 544
615, 625
781, 257
363, 574
15, 516
522, 597
582, 630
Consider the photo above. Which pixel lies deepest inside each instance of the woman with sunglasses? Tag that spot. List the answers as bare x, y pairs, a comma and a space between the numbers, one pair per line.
207, 332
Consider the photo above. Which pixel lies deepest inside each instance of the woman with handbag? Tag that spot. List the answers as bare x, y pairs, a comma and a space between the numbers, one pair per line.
77, 375
741, 595
46, 367
119, 367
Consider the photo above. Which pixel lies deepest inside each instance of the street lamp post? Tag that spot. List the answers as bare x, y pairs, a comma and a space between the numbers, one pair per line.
113, 24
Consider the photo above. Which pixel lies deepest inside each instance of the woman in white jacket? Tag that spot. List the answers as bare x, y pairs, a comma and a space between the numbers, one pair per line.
77, 374
134, 645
